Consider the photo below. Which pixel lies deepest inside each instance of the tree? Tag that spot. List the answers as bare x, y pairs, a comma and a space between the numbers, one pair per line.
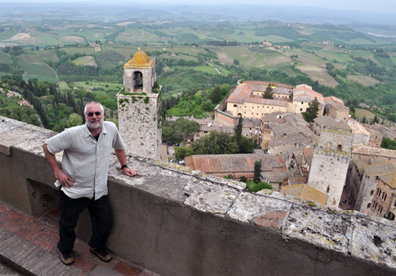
268, 92
364, 120
215, 97
186, 127
312, 112
243, 179
257, 171
170, 134
74, 120
181, 152
246, 145
238, 131
215, 143
236, 62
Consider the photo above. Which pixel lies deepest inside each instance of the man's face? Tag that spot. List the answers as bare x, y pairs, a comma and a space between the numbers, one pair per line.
94, 116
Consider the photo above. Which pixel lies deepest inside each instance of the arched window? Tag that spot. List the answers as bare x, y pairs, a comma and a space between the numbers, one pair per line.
328, 189
339, 147
384, 196
378, 192
380, 209
369, 205
138, 80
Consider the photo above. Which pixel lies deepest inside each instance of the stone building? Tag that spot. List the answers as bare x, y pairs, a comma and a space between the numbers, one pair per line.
247, 99
335, 109
375, 138
330, 163
243, 102
388, 132
303, 95
299, 164
325, 121
139, 103
384, 201
364, 152
360, 134
370, 186
210, 125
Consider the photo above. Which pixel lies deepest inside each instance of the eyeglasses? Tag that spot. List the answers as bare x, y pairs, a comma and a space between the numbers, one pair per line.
97, 113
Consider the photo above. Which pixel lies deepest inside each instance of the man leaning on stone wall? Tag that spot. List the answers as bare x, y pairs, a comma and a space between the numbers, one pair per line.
83, 178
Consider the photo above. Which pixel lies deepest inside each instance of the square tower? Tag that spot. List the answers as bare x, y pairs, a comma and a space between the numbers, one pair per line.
139, 73
139, 104
330, 163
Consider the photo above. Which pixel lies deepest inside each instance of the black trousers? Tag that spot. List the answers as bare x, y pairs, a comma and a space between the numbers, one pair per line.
101, 219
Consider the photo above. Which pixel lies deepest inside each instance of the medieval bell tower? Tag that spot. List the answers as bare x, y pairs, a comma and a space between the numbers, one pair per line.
139, 103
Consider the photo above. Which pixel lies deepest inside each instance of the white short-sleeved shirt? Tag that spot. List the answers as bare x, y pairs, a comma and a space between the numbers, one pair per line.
85, 159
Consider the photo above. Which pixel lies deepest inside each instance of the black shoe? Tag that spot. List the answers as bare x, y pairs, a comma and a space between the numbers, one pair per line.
103, 254
67, 258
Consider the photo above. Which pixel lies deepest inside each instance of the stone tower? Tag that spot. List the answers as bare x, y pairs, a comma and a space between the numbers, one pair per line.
330, 163
139, 103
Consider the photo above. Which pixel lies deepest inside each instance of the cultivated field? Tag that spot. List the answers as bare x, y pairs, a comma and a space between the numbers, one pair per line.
277, 60
360, 53
365, 80
245, 57
4, 58
81, 50
85, 61
319, 74
48, 55
360, 113
71, 38
34, 66
206, 69
224, 58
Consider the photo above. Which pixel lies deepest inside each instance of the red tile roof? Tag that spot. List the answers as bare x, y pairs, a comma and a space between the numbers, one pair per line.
219, 163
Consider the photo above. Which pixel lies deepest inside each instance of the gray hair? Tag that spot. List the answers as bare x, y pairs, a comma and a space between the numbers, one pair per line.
101, 107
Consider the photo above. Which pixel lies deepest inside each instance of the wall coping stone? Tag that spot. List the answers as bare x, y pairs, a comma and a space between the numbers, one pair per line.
361, 236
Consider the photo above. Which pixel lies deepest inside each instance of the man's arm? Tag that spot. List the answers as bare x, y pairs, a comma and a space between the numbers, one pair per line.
59, 174
122, 158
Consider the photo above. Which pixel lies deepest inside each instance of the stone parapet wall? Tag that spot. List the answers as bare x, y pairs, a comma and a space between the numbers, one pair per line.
176, 221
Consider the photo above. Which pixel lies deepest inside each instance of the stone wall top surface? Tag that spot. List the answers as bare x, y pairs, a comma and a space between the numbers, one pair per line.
349, 232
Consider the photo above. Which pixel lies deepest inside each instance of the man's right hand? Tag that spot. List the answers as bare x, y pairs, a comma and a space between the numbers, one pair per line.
64, 179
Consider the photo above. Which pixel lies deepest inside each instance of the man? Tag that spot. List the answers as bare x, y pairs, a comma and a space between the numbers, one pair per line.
83, 180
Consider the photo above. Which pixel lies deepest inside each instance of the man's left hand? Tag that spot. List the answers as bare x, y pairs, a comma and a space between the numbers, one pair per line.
129, 171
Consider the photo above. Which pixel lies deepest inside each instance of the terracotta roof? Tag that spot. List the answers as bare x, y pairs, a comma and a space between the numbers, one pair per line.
333, 99
330, 122
243, 93
366, 150
389, 179
290, 139
305, 93
308, 154
305, 192
378, 169
277, 84
139, 60
235, 162
358, 128
284, 129
295, 118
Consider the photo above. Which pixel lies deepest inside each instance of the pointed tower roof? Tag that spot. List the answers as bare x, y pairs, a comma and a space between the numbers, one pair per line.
140, 60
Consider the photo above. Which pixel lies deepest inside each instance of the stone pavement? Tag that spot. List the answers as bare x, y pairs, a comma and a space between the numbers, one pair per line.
28, 244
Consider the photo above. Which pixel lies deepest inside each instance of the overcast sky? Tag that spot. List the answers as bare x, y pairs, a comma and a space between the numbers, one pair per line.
383, 6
